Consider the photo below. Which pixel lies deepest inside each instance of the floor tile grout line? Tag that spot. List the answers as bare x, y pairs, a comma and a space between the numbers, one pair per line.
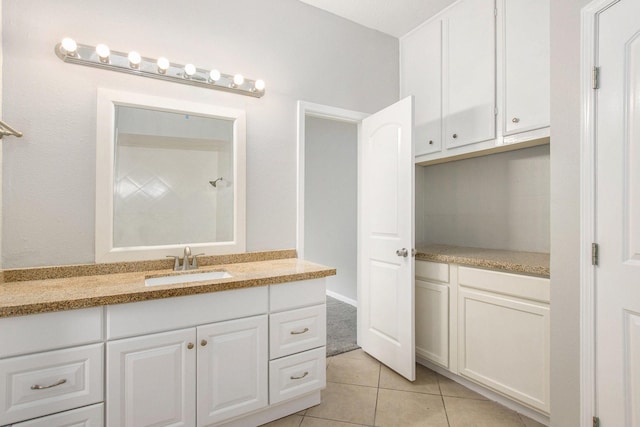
375, 407
444, 405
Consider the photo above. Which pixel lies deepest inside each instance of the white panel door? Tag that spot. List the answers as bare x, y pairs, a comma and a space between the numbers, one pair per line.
385, 238
151, 380
618, 216
232, 368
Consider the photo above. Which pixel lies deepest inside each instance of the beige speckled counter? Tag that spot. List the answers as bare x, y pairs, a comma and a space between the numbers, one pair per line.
81, 291
532, 263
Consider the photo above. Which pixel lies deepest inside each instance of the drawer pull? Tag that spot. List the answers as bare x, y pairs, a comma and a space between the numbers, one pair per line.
42, 387
305, 330
300, 377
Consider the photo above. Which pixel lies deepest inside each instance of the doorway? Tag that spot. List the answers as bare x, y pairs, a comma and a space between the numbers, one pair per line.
327, 193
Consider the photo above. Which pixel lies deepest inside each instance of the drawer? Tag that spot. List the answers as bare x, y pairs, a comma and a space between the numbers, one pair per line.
294, 331
44, 383
293, 376
286, 296
434, 271
89, 416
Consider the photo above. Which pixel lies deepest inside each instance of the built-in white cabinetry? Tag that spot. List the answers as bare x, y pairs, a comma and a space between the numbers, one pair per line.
494, 328
87, 416
479, 72
432, 312
43, 375
525, 66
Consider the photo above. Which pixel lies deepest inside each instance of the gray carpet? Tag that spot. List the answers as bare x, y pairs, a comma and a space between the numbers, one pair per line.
341, 327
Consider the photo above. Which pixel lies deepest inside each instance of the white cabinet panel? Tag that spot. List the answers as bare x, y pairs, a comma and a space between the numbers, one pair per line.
151, 380
232, 368
54, 381
421, 76
285, 296
432, 321
504, 345
526, 64
469, 90
89, 416
294, 331
296, 375
432, 271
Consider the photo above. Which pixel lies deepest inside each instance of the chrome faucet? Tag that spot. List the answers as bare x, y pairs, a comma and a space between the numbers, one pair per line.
187, 262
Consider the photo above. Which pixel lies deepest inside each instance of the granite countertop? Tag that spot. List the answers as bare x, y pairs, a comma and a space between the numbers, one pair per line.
40, 295
532, 263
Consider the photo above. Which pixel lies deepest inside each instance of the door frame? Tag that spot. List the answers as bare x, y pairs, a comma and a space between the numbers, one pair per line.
589, 43
321, 111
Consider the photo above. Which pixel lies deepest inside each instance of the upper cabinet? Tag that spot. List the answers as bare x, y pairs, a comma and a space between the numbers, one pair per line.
525, 44
479, 72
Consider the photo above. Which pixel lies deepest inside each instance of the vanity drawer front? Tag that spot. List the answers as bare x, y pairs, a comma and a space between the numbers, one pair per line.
285, 296
89, 416
293, 376
44, 383
294, 331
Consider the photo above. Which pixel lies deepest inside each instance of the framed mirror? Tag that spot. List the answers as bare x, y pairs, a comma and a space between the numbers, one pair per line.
169, 174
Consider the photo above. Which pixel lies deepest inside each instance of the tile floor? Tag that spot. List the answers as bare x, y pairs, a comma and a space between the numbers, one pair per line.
362, 392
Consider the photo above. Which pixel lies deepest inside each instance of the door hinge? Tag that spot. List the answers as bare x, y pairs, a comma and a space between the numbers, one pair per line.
594, 254
596, 422
596, 77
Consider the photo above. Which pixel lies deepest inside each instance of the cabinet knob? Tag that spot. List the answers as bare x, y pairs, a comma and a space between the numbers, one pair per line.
430, 142
515, 120
455, 135
190, 345
203, 343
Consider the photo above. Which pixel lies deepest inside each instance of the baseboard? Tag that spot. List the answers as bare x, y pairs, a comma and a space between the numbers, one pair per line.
342, 298
491, 395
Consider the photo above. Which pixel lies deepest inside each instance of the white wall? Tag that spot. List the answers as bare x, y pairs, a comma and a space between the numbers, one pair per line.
565, 212
330, 219
499, 201
300, 51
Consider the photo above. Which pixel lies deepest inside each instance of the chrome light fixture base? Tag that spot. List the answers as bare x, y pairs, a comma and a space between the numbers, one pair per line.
148, 67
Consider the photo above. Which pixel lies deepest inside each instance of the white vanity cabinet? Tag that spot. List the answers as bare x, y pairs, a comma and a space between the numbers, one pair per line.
59, 368
154, 379
524, 38
504, 334
432, 312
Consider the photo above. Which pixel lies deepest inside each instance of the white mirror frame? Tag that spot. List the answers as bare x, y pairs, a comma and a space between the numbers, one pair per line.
105, 152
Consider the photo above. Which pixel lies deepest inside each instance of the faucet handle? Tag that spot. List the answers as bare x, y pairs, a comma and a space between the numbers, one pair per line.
194, 260
176, 263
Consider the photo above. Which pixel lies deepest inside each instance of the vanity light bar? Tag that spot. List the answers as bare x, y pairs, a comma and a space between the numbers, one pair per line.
101, 56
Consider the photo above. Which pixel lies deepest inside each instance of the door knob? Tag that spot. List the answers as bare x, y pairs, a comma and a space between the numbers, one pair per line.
402, 252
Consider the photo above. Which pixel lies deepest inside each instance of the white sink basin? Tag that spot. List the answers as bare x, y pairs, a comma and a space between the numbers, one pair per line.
186, 278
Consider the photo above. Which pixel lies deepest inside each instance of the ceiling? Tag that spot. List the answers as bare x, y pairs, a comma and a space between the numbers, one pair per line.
393, 17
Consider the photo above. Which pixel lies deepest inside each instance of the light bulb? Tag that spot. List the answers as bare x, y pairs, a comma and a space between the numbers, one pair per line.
214, 75
163, 65
238, 79
134, 59
189, 70
259, 85
103, 52
69, 45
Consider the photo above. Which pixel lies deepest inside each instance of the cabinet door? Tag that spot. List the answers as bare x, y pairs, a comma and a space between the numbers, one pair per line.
469, 73
151, 380
232, 368
432, 322
87, 416
504, 344
421, 76
526, 65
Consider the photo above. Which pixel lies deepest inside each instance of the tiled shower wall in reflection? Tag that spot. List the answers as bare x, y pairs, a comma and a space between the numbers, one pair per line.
164, 196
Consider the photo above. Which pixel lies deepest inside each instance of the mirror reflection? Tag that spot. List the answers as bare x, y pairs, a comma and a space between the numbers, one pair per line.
172, 178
